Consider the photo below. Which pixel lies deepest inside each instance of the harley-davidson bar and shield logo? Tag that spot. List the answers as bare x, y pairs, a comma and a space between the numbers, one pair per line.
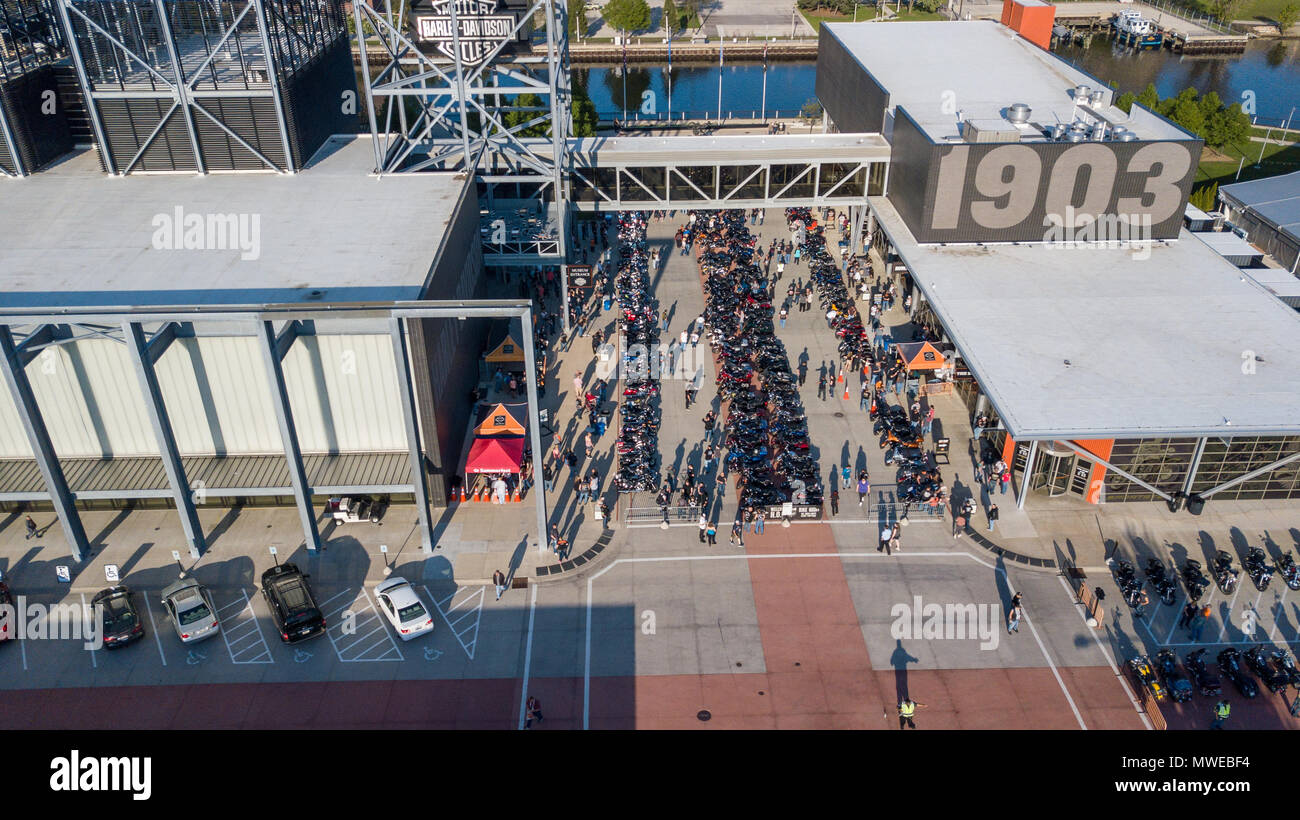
480, 29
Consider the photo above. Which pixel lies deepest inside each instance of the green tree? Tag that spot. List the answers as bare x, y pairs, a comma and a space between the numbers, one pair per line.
1125, 101
584, 113
672, 17
1225, 10
1188, 114
577, 17
518, 117
1287, 16
627, 15
811, 111
1149, 98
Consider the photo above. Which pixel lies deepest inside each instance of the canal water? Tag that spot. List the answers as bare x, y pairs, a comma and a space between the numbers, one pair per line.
1269, 71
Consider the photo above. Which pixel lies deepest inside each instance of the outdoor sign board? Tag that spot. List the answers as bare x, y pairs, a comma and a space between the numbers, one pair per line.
481, 26
776, 512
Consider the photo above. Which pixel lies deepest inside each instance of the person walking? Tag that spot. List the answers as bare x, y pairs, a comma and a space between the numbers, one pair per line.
708, 459
736, 533
712, 533
886, 532
894, 544
1221, 711
821, 386
1013, 619
710, 419
704, 525
993, 516
664, 325
1189, 612
864, 489
532, 711
835, 500
499, 581
589, 444
548, 477
580, 486
906, 712
846, 476
31, 528
721, 481
1198, 622
759, 519
929, 421
1005, 480
578, 392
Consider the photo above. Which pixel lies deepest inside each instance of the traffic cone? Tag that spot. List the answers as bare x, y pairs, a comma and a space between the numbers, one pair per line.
846, 391
516, 496
840, 377
462, 493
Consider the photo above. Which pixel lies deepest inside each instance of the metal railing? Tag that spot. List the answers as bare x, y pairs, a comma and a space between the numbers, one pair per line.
653, 515
1188, 15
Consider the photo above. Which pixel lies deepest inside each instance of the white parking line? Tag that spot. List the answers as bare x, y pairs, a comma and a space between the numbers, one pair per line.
247, 628
528, 660
94, 662
470, 604
354, 645
154, 626
1281, 610
1223, 630
1105, 653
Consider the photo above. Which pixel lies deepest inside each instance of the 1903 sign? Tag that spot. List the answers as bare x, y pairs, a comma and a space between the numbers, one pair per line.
479, 29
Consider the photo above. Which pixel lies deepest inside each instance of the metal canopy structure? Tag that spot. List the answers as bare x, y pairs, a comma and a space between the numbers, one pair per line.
277, 326
30, 39
195, 85
427, 112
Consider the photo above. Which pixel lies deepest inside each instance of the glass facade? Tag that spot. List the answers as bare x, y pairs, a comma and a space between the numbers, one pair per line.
1163, 462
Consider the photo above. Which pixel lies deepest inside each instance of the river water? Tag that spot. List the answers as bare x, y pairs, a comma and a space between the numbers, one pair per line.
1269, 71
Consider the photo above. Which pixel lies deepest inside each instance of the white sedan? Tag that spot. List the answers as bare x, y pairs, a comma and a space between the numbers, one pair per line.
404, 608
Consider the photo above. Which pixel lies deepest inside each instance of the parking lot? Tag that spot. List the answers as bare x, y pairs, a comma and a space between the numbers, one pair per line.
359, 643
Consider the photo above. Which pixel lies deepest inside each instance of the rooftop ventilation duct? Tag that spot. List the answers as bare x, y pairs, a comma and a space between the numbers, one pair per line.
1018, 113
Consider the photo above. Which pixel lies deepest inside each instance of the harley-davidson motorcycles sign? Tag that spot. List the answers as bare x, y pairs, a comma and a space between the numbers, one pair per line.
479, 29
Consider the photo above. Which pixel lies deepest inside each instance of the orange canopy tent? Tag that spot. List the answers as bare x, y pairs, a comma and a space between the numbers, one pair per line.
921, 356
495, 455
501, 420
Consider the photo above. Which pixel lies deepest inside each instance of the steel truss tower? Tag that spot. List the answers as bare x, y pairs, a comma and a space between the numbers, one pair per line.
445, 109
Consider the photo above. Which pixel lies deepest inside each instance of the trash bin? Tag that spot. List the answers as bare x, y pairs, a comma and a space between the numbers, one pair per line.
1195, 504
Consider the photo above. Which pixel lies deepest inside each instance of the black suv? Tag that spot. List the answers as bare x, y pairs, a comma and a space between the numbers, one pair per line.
122, 624
292, 606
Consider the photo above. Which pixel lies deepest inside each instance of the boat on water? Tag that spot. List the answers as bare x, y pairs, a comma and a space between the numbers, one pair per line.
1133, 28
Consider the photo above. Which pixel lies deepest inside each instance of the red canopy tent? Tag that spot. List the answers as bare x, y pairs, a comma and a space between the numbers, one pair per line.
495, 455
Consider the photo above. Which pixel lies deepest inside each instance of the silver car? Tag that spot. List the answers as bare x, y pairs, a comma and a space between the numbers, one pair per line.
189, 605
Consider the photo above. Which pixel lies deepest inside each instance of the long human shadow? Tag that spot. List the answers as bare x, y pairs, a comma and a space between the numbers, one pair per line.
899, 659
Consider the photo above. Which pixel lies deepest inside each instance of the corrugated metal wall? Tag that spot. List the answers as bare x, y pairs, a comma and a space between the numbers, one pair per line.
343, 391
847, 91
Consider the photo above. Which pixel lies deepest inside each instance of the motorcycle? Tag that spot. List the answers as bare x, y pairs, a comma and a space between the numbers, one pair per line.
1179, 687
1160, 580
1129, 585
1230, 663
909, 456
1289, 571
1194, 579
1286, 666
1259, 572
1207, 683
1261, 664
1147, 677
1224, 574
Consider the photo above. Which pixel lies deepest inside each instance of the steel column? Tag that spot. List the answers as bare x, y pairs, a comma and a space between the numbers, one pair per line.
181, 90
93, 110
156, 409
1248, 476
534, 424
419, 480
288, 434
11, 144
1194, 466
1029, 472
47, 460
272, 68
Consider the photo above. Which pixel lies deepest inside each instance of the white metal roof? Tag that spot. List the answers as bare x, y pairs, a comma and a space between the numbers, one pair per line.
1228, 244
1155, 346
1275, 200
332, 233
976, 67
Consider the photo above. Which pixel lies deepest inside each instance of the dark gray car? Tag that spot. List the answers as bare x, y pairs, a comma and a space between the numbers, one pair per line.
189, 605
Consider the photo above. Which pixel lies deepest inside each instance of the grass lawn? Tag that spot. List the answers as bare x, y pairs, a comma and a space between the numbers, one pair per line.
1221, 166
1249, 9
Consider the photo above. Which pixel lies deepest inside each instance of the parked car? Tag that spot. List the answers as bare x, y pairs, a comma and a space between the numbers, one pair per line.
293, 608
403, 608
190, 607
122, 624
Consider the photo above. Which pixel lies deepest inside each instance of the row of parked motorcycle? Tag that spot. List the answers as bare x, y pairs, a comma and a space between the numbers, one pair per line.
1165, 584
1165, 678
638, 423
766, 428
828, 279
